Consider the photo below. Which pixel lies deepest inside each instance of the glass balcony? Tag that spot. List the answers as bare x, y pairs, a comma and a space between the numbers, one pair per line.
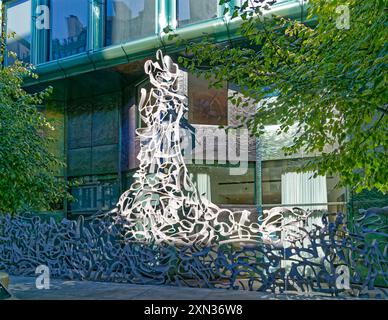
79, 26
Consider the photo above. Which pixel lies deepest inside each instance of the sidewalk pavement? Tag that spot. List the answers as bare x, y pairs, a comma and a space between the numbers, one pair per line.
24, 288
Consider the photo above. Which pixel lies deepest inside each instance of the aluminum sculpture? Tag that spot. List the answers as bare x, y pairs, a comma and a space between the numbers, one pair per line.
163, 204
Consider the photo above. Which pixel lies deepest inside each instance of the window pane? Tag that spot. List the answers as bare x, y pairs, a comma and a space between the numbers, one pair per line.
335, 195
219, 186
207, 105
283, 186
128, 20
92, 149
97, 194
191, 11
19, 22
148, 87
69, 27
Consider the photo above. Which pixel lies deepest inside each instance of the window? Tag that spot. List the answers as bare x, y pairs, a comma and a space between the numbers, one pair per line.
192, 11
19, 24
148, 87
217, 184
128, 20
97, 193
283, 186
207, 106
93, 129
69, 21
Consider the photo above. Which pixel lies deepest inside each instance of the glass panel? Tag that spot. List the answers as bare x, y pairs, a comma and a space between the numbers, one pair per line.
282, 186
335, 194
128, 20
220, 187
207, 105
304, 188
19, 23
92, 135
79, 162
69, 27
98, 195
191, 11
105, 159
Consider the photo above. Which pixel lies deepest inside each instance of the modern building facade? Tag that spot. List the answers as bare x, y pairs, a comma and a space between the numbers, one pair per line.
92, 53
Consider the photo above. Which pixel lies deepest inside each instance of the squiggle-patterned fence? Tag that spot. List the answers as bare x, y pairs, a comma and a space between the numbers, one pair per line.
95, 250
164, 231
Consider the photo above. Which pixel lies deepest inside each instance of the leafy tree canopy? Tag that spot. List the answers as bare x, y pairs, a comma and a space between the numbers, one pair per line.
27, 168
329, 76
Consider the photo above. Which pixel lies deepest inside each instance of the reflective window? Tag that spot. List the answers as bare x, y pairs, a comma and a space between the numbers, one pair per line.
92, 149
207, 105
192, 11
147, 86
128, 20
283, 186
19, 24
217, 184
69, 20
96, 193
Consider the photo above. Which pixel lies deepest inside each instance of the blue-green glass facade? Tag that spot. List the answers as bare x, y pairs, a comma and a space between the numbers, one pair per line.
100, 33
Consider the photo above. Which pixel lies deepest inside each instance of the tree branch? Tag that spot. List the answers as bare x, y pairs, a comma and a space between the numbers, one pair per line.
383, 109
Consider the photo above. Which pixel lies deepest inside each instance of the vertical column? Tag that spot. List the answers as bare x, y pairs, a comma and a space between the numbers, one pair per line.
258, 177
40, 29
171, 13
162, 15
97, 24
65, 141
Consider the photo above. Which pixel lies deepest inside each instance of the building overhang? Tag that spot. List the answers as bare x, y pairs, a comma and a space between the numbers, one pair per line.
221, 30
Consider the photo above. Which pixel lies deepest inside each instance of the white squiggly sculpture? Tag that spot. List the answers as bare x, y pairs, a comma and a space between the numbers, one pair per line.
163, 204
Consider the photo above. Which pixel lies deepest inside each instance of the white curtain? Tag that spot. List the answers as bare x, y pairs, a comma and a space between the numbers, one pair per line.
302, 188
203, 184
